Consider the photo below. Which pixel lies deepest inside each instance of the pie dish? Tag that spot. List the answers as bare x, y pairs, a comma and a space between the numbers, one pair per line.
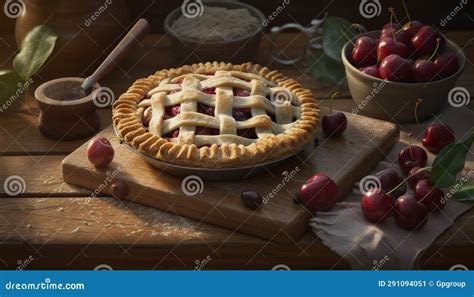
216, 115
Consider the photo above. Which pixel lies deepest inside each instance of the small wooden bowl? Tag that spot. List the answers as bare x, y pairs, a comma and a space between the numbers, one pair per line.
67, 114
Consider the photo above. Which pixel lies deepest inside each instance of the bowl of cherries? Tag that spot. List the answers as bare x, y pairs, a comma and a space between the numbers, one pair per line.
389, 70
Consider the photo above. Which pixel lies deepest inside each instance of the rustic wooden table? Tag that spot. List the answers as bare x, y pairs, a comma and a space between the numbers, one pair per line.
53, 225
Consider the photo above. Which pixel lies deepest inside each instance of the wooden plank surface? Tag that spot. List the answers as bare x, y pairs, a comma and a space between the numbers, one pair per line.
235, 250
344, 159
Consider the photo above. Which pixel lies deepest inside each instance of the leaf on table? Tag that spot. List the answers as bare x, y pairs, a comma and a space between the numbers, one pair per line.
449, 162
35, 50
465, 193
10, 81
327, 71
335, 33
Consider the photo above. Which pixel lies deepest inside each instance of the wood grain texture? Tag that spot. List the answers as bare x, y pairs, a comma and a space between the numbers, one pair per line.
344, 159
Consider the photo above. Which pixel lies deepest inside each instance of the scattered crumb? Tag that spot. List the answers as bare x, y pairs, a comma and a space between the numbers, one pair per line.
28, 226
134, 232
75, 230
60, 209
92, 212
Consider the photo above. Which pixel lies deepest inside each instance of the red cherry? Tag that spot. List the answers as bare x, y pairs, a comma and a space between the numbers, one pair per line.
409, 214
395, 68
175, 133
206, 131
437, 136
251, 199
414, 178
425, 40
334, 124
432, 197
387, 46
209, 110
376, 205
447, 64
175, 110
424, 71
412, 27
100, 152
412, 156
390, 179
248, 133
372, 71
241, 114
320, 194
241, 92
388, 30
364, 51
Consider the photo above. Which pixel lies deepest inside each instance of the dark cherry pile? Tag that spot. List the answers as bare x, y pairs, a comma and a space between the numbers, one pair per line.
413, 52
409, 211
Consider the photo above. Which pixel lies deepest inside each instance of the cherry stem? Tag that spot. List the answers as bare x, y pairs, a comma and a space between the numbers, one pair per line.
407, 178
330, 101
347, 37
409, 145
418, 103
392, 14
406, 11
438, 40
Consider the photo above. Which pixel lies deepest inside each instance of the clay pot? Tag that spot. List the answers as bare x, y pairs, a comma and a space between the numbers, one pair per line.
87, 32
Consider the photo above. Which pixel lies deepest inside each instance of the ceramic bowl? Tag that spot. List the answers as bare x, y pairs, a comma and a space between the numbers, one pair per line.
240, 50
394, 101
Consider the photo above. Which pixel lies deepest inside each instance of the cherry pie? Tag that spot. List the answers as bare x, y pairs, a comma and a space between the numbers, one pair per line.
216, 115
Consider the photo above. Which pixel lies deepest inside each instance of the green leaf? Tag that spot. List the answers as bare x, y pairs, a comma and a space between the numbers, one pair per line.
335, 33
327, 71
9, 83
465, 193
449, 162
35, 50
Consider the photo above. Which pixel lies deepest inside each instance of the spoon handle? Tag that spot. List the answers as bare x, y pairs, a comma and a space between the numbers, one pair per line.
138, 31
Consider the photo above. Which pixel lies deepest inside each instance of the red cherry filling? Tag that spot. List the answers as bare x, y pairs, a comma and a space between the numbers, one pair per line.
175, 110
241, 114
206, 131
241, 92
247, 133
209, 110
210, 91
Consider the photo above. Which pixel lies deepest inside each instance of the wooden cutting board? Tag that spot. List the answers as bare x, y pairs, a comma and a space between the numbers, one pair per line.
345, 159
